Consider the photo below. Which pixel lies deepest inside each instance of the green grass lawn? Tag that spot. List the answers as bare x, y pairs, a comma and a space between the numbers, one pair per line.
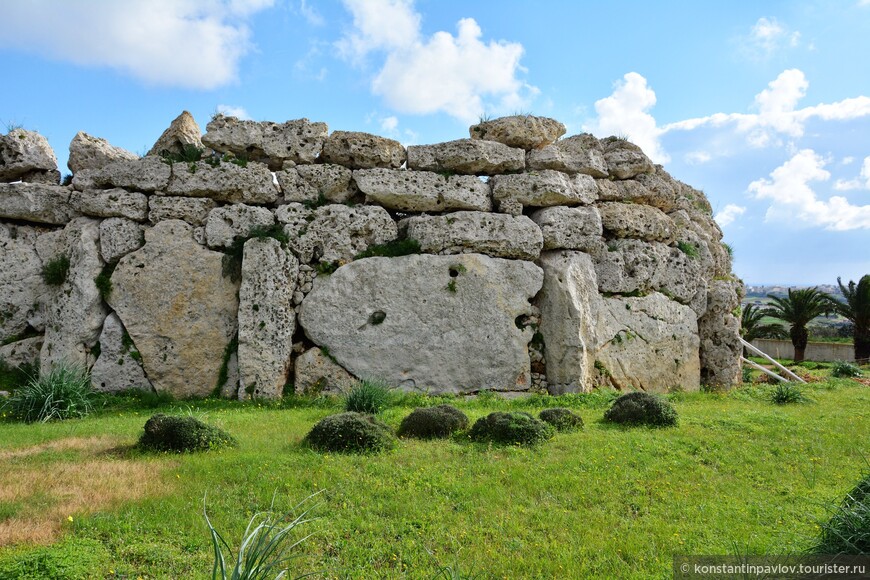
737, 475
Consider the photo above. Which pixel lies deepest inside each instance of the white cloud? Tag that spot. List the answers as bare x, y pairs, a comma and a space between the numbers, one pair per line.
389, 124
849, 159
442, 73
861, 182
728, 214
697, 157
793, 198
193, 44
766, 37
231, 111
310, 14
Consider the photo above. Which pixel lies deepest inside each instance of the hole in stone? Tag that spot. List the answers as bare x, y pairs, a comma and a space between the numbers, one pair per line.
377, 317
454, 272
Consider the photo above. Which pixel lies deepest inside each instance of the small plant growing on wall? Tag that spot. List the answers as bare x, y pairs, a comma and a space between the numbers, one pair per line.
55, 271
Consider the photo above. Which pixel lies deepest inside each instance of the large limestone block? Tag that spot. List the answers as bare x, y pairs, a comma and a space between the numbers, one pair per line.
74, 311
182, 132
423, 190
178, 308
119, 237
631, 220
362, 151
33, 202
25, 152
523, 131
316, 374
306, 183
545, 188
227, 182
267, 320
193, 210
719, 330
299, 141
435, 324
468, 156
494, 234
118, 202
655, 189
576, 154
21, 283
146, 174
87, 152
570, 228
228, 223
21, 352
117, 368
625, 159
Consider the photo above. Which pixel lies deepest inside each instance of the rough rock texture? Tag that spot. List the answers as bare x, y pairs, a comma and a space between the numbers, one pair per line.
178, 308
267, 320
119, 237
23, 153
147, 174
21, 283
22, 352
193, 210
335, 233
299, 141
570, 228
462, 232
576, 154
116, 368
306, 183
87, 152
655, 189
631, 220
362, 151
625, 159
523, 131
227, 182
228, 223
468, 156
316, 374
33, 202
111, 203
719, 330
545, 188
427, 323
182, 132
422, 190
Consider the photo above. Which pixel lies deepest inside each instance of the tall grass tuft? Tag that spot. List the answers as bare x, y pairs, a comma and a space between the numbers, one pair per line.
63, 393
368, 396
786, 393
848, 530
843, 369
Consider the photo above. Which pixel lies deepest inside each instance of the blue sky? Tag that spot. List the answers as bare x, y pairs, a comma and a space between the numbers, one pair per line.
765, 106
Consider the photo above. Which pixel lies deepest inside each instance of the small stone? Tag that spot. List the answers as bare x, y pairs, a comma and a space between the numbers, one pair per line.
306, 183
87, 152
362, 151
226, 182
419, 191
119, 237
147, 174
494, 234
577, 154
523, 131
117, 368
467, 156
570, 228
47, 204
317, 374
182, 132
193, 210
111, 203
625, 159
299, 141
631, 220
545, 188
24, 153
229, 223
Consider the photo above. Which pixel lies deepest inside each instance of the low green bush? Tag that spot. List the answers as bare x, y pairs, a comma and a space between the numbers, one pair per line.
843, 369
510, 428
391, 249
367, 397
433, 422
786, 393
848, 529
564, 420
641, 408
63, 393
182, 434
55, 271
350, 433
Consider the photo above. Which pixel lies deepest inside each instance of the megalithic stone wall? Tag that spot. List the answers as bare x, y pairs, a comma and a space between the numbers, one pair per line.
263, 255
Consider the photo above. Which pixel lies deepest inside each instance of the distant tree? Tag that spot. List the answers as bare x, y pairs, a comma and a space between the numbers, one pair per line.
797, 310
752, 328
857, 309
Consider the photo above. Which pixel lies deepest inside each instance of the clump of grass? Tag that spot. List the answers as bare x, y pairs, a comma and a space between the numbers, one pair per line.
103, 281
689, 249
391, 249
367, 397
55, 271
188, 154
843, 369
641, 408
510, 428
786, 393
63, 393
350, 433
433, 422
562, 419
327, 268
182, 434
317, 202
848, 529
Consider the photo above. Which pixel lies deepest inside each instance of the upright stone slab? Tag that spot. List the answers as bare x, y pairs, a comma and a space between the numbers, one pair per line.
117, 368
467, 156
423, 190
267, 320
178, 308
719, 331
87, 152
437, 324
299, 141
21, 283
182, 133
462, 232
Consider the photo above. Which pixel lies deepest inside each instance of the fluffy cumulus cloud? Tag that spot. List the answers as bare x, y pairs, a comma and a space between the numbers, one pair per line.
461, 75
790, 190
728, 214
194, 44
231, 111
860, 182
768, 36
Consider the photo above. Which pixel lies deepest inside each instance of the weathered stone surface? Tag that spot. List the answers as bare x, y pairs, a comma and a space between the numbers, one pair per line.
74, 311
523, 131
576, 154
225, 224
193, 210
423, 190
429, 323
494, 234
570, 228
468, 156
362, 151
32, 202
267, 320
22, 352
146, 174
116, 368
305, 183
299, 141
87, 152
118, 202
182, 132
545, 188
21, 283
719, 331
227, 182
335, 233
631, 220
119, 237
178, 308
25, 152
316, 374
625, 159
655, 189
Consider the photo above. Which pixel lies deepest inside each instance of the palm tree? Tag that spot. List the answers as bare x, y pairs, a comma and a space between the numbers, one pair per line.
798, 309
752, 328
857, 309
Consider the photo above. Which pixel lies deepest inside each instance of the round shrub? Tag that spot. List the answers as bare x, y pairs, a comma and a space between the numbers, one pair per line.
564, 420
641, 408
516, 428
433, 422
848, 530
350, 433
182, 433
